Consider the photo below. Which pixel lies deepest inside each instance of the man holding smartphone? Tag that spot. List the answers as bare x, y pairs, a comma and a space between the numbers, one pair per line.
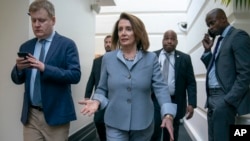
49, 69
228, 74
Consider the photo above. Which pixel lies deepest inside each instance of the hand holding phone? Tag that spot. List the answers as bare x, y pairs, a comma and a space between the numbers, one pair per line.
22, 63
23, 54
211, 34
207, 41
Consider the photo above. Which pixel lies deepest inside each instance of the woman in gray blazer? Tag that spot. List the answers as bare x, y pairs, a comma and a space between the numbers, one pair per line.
128, 75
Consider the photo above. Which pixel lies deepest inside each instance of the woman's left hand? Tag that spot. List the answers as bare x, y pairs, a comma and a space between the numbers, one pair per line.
90, 106
167, 122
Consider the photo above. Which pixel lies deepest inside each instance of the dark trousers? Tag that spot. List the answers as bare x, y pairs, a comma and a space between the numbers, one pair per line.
166, 136
220, 116
101, 130
158, 130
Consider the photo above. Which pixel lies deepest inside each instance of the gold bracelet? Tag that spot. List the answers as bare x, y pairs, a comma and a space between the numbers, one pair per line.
169, 116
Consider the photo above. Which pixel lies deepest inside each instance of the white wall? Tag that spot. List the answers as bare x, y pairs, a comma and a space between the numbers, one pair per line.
75, 20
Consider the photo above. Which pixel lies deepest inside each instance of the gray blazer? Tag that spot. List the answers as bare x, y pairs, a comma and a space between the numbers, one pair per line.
233, 69
126, 91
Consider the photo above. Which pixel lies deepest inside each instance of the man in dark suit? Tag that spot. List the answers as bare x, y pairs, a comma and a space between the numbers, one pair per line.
93, 83
228, 74
181, 84
49, 69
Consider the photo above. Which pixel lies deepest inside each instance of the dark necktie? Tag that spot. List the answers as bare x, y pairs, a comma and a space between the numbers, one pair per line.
37, 101
215, 51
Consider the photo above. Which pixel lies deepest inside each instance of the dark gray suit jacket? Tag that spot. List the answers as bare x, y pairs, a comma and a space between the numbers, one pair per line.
233, 69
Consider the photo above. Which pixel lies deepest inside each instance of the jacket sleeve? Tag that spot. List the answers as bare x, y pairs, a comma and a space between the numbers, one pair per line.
160, 89
191, 84
206, 57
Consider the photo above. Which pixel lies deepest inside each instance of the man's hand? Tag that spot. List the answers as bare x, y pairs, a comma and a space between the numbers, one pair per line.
167, 122
190, 112
29, 62
35, 63
207, 43
22, 63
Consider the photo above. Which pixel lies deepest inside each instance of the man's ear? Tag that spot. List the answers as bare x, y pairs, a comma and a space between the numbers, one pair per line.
53, 20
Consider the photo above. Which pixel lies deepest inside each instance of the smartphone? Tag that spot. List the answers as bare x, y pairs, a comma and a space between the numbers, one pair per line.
23, 54
212, 35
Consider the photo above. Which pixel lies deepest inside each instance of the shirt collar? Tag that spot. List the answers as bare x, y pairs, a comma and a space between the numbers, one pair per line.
50, 37
163, 52
224, 33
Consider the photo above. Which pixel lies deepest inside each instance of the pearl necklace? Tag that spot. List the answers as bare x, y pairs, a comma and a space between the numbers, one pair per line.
129, 58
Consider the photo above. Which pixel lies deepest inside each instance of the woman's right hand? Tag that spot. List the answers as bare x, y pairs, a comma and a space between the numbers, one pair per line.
90, 106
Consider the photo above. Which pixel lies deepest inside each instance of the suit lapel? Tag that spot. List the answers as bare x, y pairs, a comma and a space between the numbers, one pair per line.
52, 47
158, 52
224, 41
177, 63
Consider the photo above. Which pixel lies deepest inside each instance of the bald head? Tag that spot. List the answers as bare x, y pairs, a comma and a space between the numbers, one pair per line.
219, 13
216, 21
173, 33
169, 41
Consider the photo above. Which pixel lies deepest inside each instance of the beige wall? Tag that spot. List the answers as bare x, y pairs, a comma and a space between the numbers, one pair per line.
13, 31
75, 20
